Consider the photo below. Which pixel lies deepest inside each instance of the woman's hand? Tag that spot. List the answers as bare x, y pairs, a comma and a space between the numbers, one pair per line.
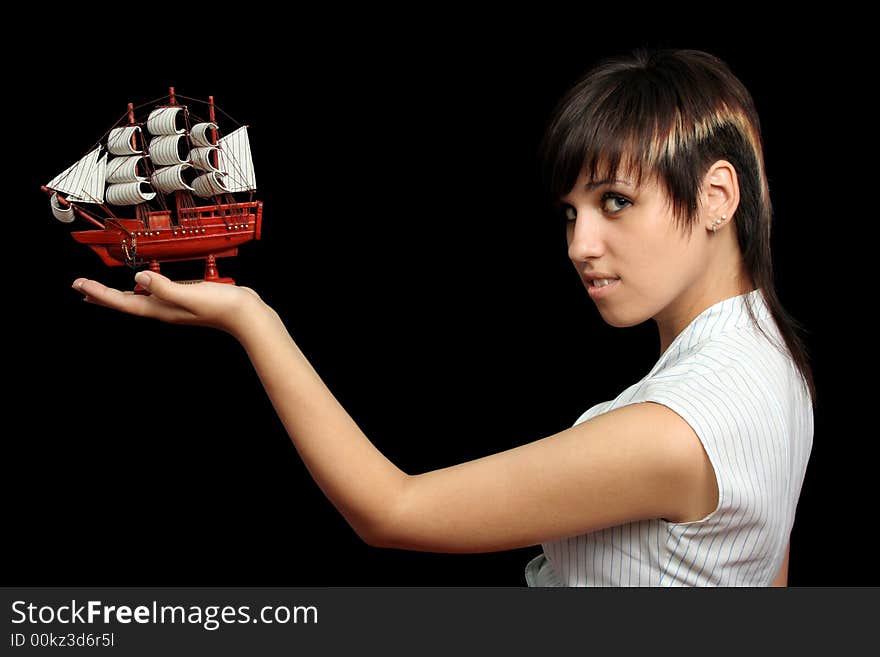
217, 305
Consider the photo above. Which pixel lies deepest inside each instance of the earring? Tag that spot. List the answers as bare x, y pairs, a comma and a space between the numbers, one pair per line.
718, 222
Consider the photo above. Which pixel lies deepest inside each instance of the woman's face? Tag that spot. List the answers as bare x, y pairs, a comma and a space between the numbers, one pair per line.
629, 234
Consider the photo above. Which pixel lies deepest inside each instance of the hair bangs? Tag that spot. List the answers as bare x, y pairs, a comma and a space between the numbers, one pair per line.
626, 132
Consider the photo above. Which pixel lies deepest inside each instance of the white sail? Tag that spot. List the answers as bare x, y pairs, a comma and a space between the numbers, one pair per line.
201, 158
123, 141
164, 121
236, 161
125, 169
166, 150
130, 193
169, 179
62, 214
83, 181
200, 134
209, 184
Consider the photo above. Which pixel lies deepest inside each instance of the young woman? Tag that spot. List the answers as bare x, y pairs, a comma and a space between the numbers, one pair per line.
690, 476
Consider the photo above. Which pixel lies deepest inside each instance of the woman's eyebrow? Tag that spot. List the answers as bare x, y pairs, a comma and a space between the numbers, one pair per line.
596, 183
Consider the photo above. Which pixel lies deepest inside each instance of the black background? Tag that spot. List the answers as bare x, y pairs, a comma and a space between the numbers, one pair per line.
407, 247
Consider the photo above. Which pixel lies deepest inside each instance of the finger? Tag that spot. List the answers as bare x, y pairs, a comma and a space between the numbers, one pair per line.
153, 308
162, 287
135, 304
99, 293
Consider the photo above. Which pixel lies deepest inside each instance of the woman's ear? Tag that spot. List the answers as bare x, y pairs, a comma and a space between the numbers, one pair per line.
720, 192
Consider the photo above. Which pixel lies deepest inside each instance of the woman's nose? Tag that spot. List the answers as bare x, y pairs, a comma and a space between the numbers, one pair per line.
585, 239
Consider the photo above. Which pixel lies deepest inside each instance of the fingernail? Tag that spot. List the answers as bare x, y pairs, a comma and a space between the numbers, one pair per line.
78, 283
143, 278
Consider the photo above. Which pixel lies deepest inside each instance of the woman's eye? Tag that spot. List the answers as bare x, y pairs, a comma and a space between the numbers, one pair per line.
615, 197
619, 203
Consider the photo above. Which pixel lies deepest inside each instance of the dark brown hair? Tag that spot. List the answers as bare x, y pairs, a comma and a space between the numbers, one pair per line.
670, 114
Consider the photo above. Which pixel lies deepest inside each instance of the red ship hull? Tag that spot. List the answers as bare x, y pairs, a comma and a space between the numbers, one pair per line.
201, 232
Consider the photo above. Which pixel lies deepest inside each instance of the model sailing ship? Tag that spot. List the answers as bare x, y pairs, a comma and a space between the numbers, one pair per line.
162, 190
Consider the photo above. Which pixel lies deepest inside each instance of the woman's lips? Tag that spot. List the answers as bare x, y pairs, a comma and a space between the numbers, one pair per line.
604, 291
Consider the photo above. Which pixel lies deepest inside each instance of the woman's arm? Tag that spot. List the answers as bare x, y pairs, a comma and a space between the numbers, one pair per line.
635, 462
354, 475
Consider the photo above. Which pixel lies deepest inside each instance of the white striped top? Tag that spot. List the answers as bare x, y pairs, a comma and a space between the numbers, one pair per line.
752, 411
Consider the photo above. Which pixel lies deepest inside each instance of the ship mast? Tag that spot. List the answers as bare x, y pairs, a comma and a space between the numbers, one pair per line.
215, 158
141, 212
172, 100
213, 120
211, 262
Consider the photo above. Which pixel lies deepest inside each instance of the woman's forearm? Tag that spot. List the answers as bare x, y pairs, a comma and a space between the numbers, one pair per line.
354, 475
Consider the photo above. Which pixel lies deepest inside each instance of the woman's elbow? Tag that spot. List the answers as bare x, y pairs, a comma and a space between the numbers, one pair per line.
374, 538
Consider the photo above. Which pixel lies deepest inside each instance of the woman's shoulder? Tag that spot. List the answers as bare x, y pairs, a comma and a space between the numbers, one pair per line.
747, 359
740, 376
737, 386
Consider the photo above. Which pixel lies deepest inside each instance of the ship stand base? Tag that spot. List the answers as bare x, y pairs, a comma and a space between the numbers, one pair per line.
211, 275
